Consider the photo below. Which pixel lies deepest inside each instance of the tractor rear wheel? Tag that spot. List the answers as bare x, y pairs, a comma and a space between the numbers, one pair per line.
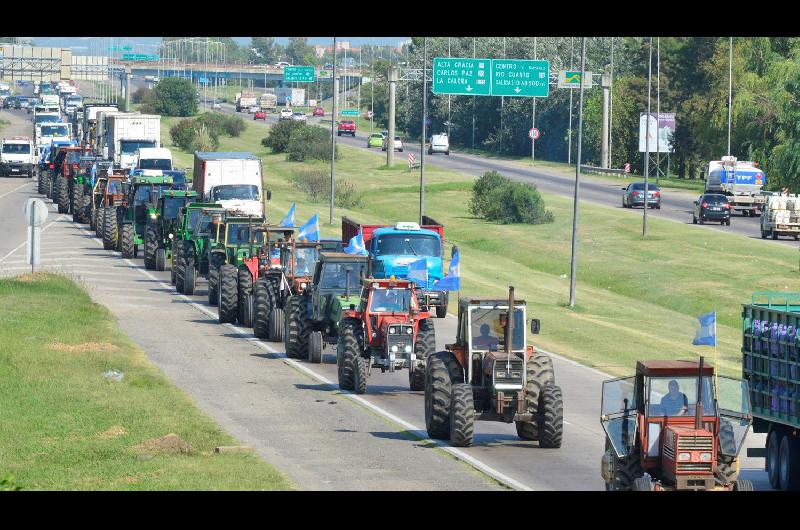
215, 262
150, 246
161, 259
228, 293
462, 415
442, 371
538, 373
128, 248
244, 312
551, 414
187, 272
643, 484
626, 469
297, 328
62, 195
262, 309
110, 231
423, 348
99, 216
348, 349
315, 347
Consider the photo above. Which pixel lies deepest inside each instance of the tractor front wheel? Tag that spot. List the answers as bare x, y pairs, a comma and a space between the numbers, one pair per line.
110, 230
188, 273
423, 348
161, 259
150, 246
297, 329
551, 417
441, 311
244, 313
462, 415
315, 347
277, 324
62, 195
128, 247
228, 293
99, 217
215, 262
348, 350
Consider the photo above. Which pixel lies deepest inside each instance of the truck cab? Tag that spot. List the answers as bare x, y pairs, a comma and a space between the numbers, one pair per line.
17, 156
154, 158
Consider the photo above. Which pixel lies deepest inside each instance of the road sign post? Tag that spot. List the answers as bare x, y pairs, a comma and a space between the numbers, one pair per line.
35, 212
298, 74
533, 134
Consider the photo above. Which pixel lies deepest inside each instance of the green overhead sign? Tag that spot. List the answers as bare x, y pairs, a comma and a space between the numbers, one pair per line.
139, 57
491, 77
298, 74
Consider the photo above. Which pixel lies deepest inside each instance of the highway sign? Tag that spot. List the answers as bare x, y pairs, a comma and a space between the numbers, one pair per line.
533, 134
572, 79
349, 112
461, 76
325, 74
515, 77
299, 74
139, 57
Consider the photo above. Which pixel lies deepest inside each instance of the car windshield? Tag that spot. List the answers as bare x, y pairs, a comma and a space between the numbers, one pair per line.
155, 163
172, 205
408, 245
129, 147
640, 186
487, 330
17, 149
55, 130
245, 192
677, 396
305, 258
378, 136
336, 276
238, 234
392, 300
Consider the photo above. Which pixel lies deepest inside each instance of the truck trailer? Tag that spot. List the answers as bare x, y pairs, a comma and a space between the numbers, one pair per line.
740, 180
126, 133
232, 179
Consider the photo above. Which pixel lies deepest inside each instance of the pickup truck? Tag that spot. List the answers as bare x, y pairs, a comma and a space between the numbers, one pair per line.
346, 127
393, 248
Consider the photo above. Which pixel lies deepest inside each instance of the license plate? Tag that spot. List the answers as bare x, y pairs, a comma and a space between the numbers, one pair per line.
14, 169
716, 209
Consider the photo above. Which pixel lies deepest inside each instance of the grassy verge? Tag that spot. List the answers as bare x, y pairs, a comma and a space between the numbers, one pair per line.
636, 298
65, 426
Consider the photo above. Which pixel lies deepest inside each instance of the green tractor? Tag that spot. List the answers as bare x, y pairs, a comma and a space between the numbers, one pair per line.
143, 195
198, 229
162, 224
110, 192
239, 239
82, 189
314, 315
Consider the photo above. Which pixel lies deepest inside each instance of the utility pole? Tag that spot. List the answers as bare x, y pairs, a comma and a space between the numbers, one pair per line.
576, 197
392, 95
647, 140
424, 131
333, 135
569, 133
533, 113
611, 108
730, 90
448, 96
473, 100
605, 83
658, 110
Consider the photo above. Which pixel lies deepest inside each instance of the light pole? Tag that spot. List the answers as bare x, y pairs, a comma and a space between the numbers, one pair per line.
533, 114
611, 109
576, 197
333, 136
730, 90
647, 139
569, 134
658, 110
424, 131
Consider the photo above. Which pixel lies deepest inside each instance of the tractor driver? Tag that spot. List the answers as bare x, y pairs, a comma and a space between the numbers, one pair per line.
485, 341
675, 402
386, 300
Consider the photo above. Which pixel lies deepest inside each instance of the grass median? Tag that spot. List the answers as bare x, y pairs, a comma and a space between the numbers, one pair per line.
636, 298
67, 427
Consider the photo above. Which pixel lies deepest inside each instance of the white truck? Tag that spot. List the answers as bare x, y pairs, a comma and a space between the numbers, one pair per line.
245, 100
47, 133
268, 102
89, 119
17, 156
439, 143
291, 96
781, 217
742, 181
125, 133
154, 158
232, 179
50, 100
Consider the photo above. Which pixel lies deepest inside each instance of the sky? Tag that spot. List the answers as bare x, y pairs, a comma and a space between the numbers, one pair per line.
145, 44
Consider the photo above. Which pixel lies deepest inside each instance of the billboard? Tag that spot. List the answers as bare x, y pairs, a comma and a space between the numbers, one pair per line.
664, 127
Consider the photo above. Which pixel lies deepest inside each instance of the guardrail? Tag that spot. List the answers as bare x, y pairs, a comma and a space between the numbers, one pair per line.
594, 169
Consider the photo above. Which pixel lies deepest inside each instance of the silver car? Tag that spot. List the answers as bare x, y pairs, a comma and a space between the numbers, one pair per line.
634, 195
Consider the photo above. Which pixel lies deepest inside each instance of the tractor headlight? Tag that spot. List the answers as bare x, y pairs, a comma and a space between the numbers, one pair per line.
391, 330
303, 285
408, 348
683, 457
394, 348
409, 331
705, 457
171, 236
152, 216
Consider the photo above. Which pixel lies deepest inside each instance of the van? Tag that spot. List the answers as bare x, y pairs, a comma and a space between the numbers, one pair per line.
439, 143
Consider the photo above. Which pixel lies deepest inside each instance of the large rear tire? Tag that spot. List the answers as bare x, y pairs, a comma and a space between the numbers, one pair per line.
128, 248
441, 372
462, 415
189, 272
214, 263
228, 293
315, 347
727, 466
244, 313
538, 373
626, 470
150, 247
297, 327
423, 348
62, 195
110, 231
773, 458
551, 414
261, 319
348, 349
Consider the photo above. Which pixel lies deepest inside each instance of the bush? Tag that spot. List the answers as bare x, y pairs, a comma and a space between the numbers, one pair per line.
278, 137
315, 183
309, 143
497, 198
182, 134
173, 96
203, 140
219, 124
139, 95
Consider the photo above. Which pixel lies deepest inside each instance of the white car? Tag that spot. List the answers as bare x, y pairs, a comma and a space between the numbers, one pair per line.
282, 64
439, 143
398, 144
17, 157
253, 109
286, 114
299, 116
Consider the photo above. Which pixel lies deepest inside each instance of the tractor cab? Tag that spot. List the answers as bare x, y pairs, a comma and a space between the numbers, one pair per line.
674, 425
239, 239
143, 194
298, 259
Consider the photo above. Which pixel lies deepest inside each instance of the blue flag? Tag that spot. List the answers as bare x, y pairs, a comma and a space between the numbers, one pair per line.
289, 219
418, 272
707, 334
310, 230
356, 245
451, 282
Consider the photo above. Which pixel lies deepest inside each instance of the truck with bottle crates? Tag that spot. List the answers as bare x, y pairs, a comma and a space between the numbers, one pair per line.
781, 217
771, 365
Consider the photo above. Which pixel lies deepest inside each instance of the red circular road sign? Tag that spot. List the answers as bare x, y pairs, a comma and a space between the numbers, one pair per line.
533, 134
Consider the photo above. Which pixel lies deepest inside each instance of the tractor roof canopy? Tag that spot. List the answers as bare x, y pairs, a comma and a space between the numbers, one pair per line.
140, 180
494, 302
670, 368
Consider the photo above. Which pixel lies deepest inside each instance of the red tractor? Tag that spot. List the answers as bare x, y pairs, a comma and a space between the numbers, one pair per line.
387, 331
660, 436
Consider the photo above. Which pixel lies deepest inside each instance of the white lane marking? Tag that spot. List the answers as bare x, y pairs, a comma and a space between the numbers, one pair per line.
24, 243
15, 189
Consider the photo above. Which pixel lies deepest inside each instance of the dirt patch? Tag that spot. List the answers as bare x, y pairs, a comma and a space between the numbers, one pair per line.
81, 348
115, 431
169, 444
32, 277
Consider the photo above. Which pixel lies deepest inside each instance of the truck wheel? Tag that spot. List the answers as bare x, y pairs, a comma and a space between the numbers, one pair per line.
728, 223
126, 238
244, 313
538, 373
347, 351
773, 458
110, 231
789, 464
189, 274
262, 309
150, 246
423, 348
742, 485
228, 293
442, 371
161, 259
643, 484
551, 417
315, 347
462, 415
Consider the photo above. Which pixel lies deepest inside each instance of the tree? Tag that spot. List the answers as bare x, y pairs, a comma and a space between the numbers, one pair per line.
299, 52
264, 50
174, 97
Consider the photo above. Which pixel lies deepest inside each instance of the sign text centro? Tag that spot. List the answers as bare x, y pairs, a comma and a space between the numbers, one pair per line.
513, 77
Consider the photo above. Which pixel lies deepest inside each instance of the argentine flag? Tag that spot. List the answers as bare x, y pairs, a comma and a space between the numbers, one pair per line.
418, 272
707, 334
356, 245
451, 282
310, 230
289, 219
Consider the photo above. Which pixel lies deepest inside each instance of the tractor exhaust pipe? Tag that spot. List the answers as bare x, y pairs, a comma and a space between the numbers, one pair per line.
510, 321
698, 409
